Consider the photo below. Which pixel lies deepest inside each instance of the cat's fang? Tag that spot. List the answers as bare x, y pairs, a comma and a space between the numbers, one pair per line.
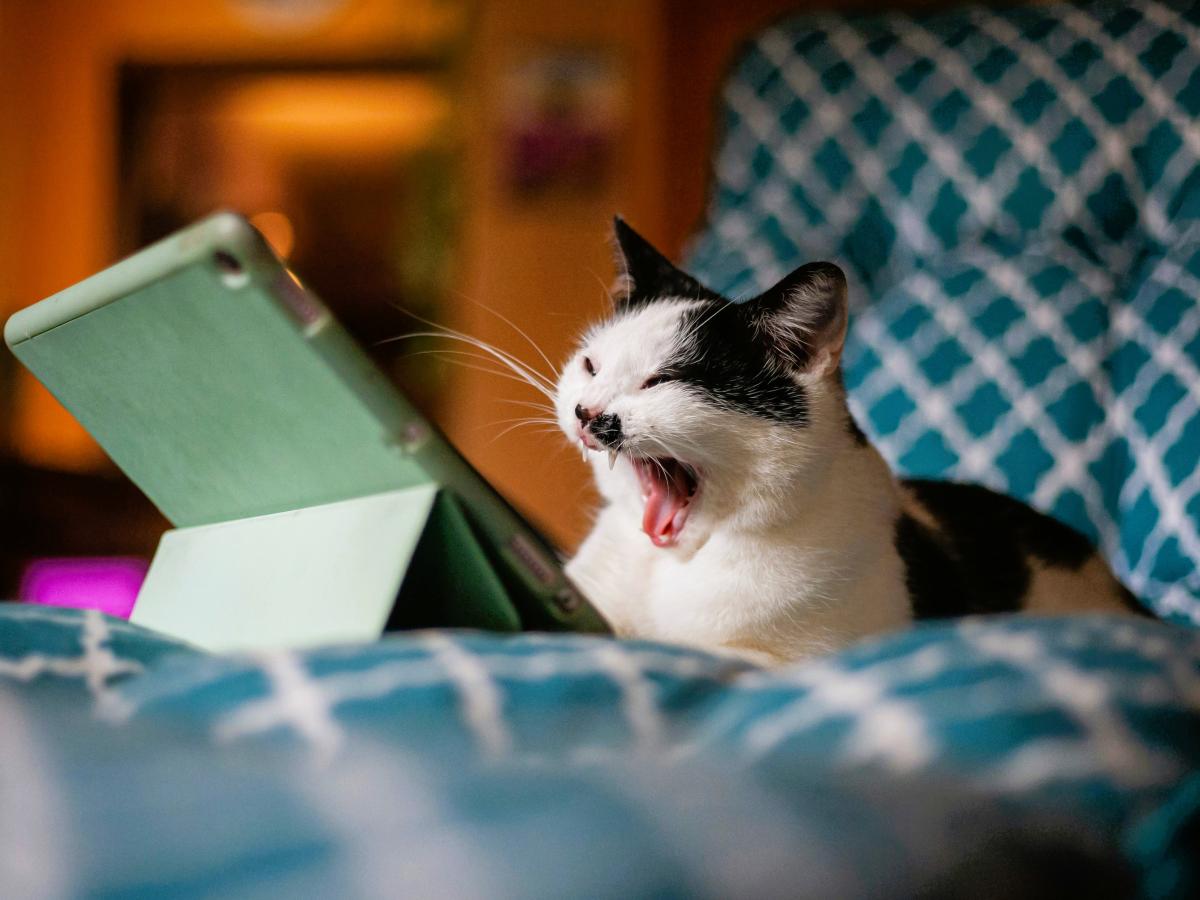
583, 450
612, 459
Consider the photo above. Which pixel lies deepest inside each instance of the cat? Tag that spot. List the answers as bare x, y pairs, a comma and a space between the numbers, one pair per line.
745, 512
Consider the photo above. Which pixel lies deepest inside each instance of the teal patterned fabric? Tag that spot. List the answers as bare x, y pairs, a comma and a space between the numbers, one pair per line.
1058, 756
1012, 193
1155, 371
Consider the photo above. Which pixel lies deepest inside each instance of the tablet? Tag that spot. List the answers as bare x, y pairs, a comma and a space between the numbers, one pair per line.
226, 390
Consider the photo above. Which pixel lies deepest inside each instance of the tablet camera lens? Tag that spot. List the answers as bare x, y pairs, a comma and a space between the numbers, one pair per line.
232, 272
227, 263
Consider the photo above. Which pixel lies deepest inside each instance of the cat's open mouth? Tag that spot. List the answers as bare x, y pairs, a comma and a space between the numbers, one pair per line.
668, 488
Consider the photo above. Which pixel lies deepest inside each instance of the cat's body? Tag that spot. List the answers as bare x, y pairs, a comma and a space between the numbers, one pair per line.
804, 571
744, 511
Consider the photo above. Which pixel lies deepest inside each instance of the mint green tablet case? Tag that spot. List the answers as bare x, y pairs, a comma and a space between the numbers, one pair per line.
229, 394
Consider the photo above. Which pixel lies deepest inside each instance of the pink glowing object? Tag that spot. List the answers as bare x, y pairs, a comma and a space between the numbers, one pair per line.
107, 583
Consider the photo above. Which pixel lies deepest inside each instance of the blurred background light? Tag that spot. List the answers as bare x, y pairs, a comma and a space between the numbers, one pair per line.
336, 114
277, 229
451, 158
108, 584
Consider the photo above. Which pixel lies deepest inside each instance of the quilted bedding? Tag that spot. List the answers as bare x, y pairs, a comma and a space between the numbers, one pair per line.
1016, 755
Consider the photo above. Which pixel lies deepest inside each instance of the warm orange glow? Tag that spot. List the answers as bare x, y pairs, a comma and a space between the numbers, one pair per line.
277, 229
49, 435
532, 262
338, 113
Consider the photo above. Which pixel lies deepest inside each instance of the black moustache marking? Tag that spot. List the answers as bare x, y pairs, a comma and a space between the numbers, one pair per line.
729, 364
607, 429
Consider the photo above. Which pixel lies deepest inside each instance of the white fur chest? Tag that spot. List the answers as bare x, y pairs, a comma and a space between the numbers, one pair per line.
778, 594
735, 592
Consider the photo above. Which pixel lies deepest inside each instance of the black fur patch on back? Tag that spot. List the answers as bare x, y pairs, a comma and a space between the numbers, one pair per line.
727, 361
977, 561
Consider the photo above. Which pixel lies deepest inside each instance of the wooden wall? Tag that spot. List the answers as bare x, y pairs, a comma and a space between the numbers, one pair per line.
58, 135
546, 266
541, 265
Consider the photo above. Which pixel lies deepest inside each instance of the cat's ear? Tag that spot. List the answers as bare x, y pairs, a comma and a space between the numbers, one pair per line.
644, 274
803, 317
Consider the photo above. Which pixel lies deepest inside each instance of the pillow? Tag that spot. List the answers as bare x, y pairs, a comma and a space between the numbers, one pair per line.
988, 366
881, 138
1027, 371
1154, 370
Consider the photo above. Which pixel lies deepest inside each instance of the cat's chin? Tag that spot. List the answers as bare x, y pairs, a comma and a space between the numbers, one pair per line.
669, 489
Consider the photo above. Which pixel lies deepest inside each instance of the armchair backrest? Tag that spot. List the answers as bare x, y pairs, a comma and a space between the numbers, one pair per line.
883, 140
1015, 196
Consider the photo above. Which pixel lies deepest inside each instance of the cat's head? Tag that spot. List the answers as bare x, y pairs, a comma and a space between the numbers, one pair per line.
701, 408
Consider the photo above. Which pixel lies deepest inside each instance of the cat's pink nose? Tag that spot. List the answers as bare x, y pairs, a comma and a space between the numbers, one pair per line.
583, 415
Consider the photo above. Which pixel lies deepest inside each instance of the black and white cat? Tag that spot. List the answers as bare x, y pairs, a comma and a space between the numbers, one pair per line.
744, 510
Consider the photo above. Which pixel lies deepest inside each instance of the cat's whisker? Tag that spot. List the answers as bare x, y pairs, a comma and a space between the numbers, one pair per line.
503, 356
495, 373
524, 420
480, 357
425, 334
441, 351
513, 325
486, 369
515, 426
541, 407
514, 374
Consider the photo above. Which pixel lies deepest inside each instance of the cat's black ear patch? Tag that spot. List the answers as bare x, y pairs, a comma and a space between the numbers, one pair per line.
644, 274
803, 317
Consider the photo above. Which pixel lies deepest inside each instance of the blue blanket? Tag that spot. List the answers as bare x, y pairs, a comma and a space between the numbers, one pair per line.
1009, 753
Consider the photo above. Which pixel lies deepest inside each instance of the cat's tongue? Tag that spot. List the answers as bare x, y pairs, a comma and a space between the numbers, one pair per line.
665, 492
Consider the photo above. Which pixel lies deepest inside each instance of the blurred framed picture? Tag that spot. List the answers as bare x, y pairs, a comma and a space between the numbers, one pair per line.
564, 110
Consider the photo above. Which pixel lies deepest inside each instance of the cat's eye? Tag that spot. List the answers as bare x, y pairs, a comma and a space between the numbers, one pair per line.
656, 379
588, 367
